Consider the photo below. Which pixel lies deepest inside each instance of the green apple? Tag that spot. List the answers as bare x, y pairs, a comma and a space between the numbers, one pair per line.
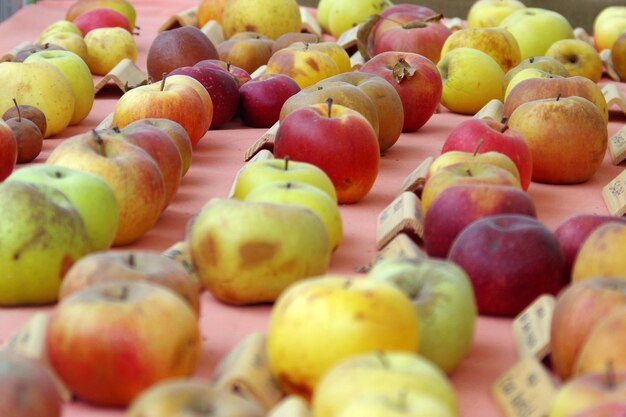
92, 197
38, 84
535, 29
489, 13
305, 195
59, 26
443, 298
345, 14
403, 404
79, 76
381, 373
263, 171
249, 252
41, 236
107, 46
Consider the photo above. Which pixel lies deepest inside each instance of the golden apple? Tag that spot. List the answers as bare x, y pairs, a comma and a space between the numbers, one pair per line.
304, 64
489, 13
578, 57
598, 256
268, 17
107, 47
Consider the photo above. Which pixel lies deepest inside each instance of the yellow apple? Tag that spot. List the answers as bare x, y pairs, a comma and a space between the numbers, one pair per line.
491, 157
323, 14
268, 17
526, 74
599, 254
107, 47
471, 79
546, 63
608, 25
59, 26
69, 41
578, 57
535, 29
489, 13
345, 14
403, 404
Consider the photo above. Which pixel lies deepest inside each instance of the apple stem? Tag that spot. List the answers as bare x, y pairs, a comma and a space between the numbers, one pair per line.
286, 162
558, 97
478, 145
329, 101
382, 357
289, 185
99, 141
531, 59
610, 375
116, 129
347, 283
163, 81
505, 120
469, 172
58, 174
131, 260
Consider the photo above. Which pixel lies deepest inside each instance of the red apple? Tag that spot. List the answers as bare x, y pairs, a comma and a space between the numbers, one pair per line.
262, 98
492, 136
101, 18
415, 78
338, 140
221, 86
8, 150
241, 75
111, 341
26, 388
459, 205
511, 259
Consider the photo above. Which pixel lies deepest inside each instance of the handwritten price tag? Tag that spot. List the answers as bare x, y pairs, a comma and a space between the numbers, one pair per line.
617, 146
614, 195
531, 328
266, 141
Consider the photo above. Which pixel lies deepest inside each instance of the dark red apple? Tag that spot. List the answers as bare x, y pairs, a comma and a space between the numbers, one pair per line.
262, 98
241, 75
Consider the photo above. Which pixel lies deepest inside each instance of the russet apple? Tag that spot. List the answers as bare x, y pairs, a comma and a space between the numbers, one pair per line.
489, 13
594, 256
359, 315
268, 17
579, 57
31, 113
247, 50
29, 49
262, 98
28, 138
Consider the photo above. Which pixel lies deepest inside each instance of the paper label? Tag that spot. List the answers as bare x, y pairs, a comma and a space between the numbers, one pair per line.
187, 17
403, 215
617, 146
309, 23
266, 141
492, 110
415, 181
348, 39
401, 246
213, 30
126, 75
582, 35
531, 328
613, 95
259, 156
614, 195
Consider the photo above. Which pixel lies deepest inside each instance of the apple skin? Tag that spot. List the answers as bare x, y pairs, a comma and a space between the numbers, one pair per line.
31, 113
101, 17
8, 150
360, 315
574, 230
491, 157
268, 17
26, 388
495, 136
615, 408
579, 307
567, 138
305, 65
222, 88
179, 47
608, 25
239, 74
108, 330
246, 50
405, 403
337, 139
261, 99
511, 259
131, 265
489, 13
545, 63
419, 93
618, 56
459, 205
123, 6
444, 302
107, 47
579, 57
28, 138
595, 256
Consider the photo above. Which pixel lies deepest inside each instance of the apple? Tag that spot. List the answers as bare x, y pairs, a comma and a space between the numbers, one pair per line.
90, 195
592, 260
69, 41
579, 57
444, 302
545, 63
492, 157
404, 403
471, 79
42, 236
618, 56
247, 50
381, 373
604, 345
359, 315
578, 308
239, 74
130, 171
210, 10
38, 84
175, 48
268, 17
334, 50
109, 330
247, 252
417, 81
305, 65
59, 26
470, 172
496, 42
574, 230
567, 138
261, 99
482, 136
26, 388
31, 113
608, 25
131, 265
535, 29
79, 7
29, 49
222, 88
108, 46
552, 87
180, 397
183, 100
458, 206
175, 132
305, 195
609, 409
337, 139
260, 172
26, 136
99, 18
489, 13
526, 74
344, 14
77, 73
511, 259
289, 38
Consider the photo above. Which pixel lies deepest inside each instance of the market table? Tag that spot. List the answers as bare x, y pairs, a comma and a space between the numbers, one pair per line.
216, 161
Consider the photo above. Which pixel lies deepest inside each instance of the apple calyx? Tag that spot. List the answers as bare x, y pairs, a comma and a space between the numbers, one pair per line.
478, 145
505, 122
99, 142
19, 113
116, 293
402, 70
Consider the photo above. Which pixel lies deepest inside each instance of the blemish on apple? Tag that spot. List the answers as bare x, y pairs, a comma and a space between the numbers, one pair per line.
254, 253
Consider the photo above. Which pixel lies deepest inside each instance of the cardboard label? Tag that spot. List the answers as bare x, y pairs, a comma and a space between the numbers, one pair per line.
259, 156
614, 195
291, 406
266, 141
492, 110
525, 390
348, 39
309, 23
617, 146
613, 95
126, 75
106, 123
456, 23
531, 328
187, 17
415, 181
401, 246
213, 30
403, 215
607, 60
356, 61
582, 35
